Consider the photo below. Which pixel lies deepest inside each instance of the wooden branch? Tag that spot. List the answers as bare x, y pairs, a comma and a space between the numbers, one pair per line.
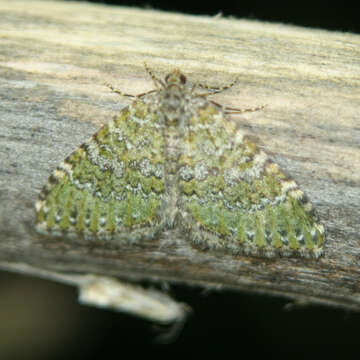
55, 57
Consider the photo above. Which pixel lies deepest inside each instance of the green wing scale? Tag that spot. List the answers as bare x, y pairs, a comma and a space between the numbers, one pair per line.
111, 186
234, 197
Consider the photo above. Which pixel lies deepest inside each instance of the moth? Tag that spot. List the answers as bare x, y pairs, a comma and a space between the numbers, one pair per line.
172, 159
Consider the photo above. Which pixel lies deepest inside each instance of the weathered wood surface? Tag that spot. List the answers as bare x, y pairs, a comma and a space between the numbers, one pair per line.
54, 59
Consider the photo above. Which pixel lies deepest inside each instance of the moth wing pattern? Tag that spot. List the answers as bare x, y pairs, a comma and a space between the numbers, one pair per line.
172, 160
233, 197
112, 185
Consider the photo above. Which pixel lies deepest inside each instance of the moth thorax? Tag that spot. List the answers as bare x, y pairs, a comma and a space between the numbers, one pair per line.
172, 120
172, 102
172, 111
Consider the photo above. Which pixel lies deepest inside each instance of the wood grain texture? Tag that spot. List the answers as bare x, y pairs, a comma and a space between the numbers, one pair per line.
54, 59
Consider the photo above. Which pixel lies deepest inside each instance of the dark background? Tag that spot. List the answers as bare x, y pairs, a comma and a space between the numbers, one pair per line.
331, 15
43, 320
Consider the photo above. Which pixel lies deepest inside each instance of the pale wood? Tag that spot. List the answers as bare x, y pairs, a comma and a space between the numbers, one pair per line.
54, 59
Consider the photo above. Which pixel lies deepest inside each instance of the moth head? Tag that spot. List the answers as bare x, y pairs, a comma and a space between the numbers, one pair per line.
175, 77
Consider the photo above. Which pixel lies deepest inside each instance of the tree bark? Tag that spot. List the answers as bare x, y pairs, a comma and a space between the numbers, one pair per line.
54, 59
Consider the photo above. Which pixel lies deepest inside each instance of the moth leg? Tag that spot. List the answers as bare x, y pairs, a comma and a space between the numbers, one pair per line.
119, 92
216, 89
193, 91
230, 110
156, 80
